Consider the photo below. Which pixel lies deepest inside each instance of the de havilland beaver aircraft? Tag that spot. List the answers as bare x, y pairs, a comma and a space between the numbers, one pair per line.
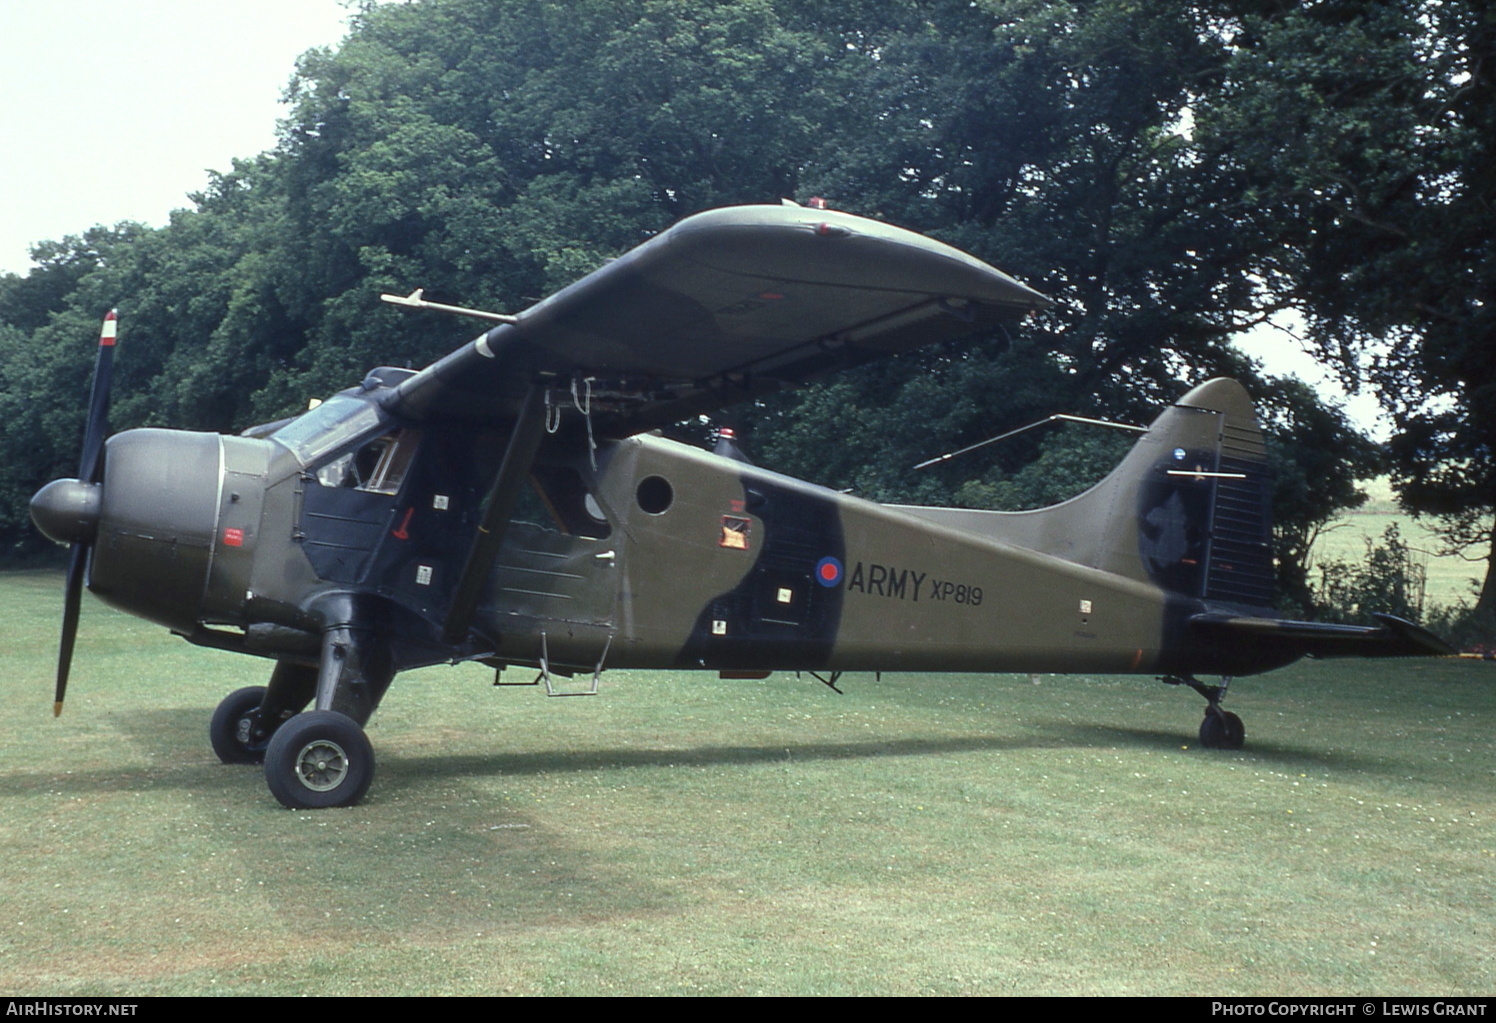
513, 504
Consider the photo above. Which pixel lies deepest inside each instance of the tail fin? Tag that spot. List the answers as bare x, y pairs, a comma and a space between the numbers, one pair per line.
1203, 520
1186, 510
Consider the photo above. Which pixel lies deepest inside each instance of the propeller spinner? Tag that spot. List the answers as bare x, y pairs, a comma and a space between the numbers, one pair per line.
68, 510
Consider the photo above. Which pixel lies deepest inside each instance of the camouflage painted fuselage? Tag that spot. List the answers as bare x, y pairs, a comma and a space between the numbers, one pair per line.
744, 569
665, 556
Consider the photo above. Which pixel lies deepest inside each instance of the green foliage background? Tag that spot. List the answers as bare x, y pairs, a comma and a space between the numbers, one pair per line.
1170, 173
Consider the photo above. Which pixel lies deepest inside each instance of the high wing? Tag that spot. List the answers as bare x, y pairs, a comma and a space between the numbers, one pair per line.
726, 305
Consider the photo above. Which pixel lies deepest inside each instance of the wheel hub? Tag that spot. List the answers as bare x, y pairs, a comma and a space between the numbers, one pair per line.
322, 765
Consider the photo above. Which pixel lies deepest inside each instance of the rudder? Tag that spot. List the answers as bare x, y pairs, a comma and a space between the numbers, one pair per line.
1203, 517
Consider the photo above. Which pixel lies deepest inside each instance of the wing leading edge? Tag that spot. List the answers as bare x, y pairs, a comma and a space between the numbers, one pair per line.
725, 306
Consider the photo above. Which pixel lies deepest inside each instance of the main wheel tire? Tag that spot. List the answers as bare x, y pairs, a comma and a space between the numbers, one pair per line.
318, 759
232, 729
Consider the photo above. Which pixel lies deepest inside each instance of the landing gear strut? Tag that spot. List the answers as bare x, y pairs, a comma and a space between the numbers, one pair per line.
1221, 729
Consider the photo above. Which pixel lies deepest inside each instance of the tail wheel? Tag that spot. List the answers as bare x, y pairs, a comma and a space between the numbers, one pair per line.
319, 759
1222, 729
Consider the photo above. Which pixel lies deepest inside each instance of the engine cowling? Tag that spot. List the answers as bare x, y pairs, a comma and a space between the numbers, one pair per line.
158, 512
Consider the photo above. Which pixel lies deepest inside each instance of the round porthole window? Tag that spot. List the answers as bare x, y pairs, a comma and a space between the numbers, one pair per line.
655, 494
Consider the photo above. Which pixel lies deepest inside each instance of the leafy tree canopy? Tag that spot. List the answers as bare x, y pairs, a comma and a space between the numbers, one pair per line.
1170, 174
1365, 130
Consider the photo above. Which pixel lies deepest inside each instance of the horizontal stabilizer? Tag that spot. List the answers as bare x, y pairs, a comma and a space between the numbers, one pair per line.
1395, 637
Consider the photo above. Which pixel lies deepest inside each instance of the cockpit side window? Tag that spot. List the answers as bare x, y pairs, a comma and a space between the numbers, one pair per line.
378, 467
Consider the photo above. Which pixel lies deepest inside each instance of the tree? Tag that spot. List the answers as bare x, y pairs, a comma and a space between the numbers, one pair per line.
1366, 131
1317, 458
491, 152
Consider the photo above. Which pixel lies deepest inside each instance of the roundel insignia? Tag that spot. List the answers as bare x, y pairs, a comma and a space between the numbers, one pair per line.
828, 571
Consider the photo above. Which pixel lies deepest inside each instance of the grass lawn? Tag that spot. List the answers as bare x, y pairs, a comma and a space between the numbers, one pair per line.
1450, 578
681, 834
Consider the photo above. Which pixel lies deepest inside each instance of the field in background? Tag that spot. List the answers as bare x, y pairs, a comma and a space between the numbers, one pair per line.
680, 834
1450, 579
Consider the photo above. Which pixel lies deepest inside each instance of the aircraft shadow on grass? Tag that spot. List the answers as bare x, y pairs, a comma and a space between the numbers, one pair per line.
161, 733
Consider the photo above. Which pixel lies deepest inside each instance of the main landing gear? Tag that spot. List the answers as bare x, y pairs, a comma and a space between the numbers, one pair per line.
316, 758
1221, 729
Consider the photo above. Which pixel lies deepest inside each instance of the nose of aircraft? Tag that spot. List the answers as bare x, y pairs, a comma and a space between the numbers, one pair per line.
67, 511
142, 536
149, 523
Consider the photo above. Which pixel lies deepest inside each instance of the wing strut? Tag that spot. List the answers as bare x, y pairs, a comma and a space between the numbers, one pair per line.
498, 507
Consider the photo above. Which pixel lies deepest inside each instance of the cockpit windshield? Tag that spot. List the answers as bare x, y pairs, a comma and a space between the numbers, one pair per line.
332, 424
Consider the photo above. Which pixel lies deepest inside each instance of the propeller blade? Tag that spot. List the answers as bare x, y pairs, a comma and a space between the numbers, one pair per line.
71, 597
90, 468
